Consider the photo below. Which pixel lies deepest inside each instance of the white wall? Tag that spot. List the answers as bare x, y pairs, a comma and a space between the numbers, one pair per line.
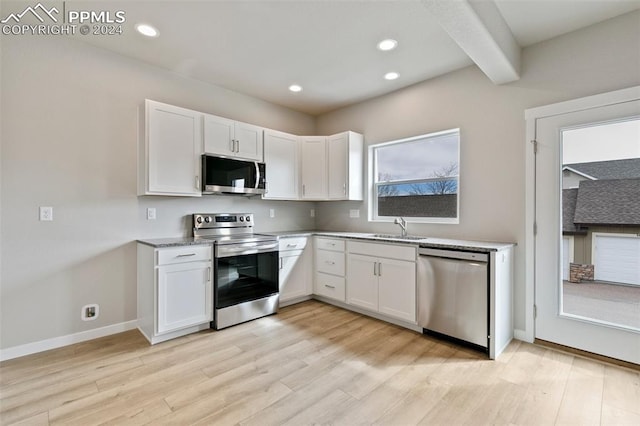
69, 135
596, 59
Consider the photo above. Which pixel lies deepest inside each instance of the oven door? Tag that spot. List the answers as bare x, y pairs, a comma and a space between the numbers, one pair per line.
245, 272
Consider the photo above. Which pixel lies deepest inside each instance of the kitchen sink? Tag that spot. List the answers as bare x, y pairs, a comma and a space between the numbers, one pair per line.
399, 237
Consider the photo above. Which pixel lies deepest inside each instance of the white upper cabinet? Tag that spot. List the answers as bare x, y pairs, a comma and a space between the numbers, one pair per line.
232, 138
170, 149
281, 160
332, 167
345, 153
314, 167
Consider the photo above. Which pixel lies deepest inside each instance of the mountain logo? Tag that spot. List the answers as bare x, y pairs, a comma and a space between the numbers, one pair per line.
38, 11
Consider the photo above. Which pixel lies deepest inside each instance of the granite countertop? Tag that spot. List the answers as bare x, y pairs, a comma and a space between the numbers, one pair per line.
175, 242
426, 242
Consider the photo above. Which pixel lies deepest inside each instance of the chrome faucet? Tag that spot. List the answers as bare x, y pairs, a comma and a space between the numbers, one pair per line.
403, 225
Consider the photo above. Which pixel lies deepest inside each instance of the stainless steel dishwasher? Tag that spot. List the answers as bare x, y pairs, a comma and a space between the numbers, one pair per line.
453, 295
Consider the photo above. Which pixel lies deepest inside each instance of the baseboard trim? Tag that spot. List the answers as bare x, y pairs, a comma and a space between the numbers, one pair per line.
520, 335
69, 339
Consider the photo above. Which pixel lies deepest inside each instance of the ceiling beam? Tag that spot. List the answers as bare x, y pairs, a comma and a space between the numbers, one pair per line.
481, 31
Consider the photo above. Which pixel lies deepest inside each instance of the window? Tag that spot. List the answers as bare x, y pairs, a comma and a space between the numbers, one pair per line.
416, 178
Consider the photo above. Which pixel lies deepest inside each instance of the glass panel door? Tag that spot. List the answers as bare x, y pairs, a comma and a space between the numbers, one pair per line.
601, 221
587, 252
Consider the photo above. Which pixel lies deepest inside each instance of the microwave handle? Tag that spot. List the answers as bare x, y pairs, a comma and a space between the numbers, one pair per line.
255, 163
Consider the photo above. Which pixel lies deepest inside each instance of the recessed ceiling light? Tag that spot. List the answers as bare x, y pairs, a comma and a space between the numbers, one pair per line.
295, 88
391, 75
147, 30
388, 44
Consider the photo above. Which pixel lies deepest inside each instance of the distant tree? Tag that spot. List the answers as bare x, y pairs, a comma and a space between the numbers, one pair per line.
386, 190
438, 187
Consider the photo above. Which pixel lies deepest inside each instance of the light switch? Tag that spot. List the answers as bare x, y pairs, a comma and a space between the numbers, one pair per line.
151, 213
272, 212
312, 212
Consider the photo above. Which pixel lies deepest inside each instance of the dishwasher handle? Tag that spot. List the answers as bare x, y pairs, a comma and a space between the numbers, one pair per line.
452, 254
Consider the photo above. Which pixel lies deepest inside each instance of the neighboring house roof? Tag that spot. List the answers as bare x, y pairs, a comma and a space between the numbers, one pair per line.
569, 200
613, 169
607, 202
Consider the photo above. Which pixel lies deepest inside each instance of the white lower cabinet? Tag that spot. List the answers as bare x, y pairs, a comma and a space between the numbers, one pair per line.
175, 290
183, 293
329, 279
382, 284
295, 270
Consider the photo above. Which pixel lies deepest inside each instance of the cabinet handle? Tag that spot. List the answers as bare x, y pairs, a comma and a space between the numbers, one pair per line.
379, 269
303, 189
233, 145
292, 245
237, 145
374, 268
330, 262
329, 286
344, 189
197, 182
186, 255
209, 274
280, 262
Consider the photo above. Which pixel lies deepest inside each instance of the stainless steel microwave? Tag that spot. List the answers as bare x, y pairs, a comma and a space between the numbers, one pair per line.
221, 175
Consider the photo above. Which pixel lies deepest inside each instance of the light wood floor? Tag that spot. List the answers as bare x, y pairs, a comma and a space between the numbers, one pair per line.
311, 363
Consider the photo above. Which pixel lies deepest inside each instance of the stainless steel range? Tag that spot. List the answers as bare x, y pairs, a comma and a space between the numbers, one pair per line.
245, 267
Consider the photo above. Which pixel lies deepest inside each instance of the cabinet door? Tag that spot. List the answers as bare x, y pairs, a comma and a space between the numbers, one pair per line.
314, 168
249, 141
362, 283
293, 281
219, 135
184, 295
281, 159
397, 289
173, 149
338, 150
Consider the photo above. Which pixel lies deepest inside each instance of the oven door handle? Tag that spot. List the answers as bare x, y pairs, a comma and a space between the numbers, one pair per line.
244, 249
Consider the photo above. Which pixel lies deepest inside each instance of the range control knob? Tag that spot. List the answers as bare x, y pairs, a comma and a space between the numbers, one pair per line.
248, 218
241, 218
207, 219
199, 219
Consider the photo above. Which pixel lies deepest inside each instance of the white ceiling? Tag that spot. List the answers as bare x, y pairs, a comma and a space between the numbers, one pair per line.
260, 47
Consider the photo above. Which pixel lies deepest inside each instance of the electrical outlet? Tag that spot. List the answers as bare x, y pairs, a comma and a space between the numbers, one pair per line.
272, 212
46, 214
312, 212
151, 213
90, 312
354, 213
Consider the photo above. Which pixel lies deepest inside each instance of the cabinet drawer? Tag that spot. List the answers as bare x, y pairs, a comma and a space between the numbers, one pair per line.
389, 251
294, 243
330, 244
330, 286
330, 262
167, 256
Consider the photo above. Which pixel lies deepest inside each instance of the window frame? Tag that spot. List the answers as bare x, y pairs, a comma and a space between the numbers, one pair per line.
372, 204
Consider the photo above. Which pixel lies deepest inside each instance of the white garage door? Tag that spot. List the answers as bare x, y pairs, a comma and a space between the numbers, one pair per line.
617, 258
